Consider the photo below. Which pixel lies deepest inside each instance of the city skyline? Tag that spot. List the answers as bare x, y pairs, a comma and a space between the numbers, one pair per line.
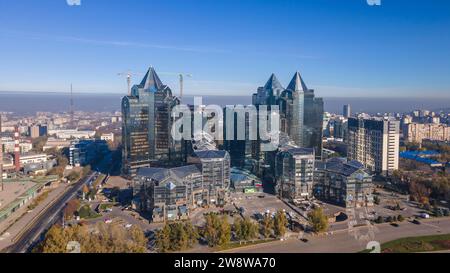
378, 51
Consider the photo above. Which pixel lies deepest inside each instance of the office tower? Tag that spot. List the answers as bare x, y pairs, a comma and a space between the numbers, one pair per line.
302, 115
266, 96
294, 172
347, 111
147, 123
374, 142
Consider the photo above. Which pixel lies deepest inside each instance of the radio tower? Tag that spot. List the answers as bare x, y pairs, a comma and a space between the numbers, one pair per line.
71, 104
17, 148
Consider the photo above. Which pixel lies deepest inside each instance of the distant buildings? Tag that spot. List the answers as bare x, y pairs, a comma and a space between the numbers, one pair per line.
343, 182
417, 132
294, 172
107, 137
147, 124
375, 143
37, 130
72, 134
347, 111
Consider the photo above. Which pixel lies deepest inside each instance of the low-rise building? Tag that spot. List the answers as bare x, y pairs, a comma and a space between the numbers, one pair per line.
294, 173
343, 182
169, 194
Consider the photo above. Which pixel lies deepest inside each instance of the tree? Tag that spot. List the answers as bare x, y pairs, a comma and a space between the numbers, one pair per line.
103, 239
400, 218
73, 176
266, 226
217, 231
55, 241
279, 223
70, 209
245, 229
163, 239
318, 220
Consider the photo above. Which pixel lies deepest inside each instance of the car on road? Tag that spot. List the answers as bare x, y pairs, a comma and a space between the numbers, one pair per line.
395, 225
416, 222
108, 221
304, 240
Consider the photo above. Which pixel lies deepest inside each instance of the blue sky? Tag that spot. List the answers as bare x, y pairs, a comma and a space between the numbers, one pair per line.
341, 47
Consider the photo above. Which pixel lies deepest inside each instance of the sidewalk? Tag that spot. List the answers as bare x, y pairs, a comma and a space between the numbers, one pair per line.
12, 227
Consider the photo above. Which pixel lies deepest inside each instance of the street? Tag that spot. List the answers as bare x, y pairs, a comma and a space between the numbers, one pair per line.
345, 242
44, 221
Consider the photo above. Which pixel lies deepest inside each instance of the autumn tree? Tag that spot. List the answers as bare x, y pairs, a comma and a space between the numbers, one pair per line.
245, 229
318, 220
70, 209
266, 226
217, 230
279, 224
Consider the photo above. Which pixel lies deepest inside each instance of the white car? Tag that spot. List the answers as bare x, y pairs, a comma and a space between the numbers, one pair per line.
108, 221
128, 225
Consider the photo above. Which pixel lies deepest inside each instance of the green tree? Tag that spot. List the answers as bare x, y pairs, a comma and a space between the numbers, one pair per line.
162, 237
279, 224
318, 220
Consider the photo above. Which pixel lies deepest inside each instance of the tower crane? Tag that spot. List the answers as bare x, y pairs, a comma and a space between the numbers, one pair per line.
181, 77
128, 75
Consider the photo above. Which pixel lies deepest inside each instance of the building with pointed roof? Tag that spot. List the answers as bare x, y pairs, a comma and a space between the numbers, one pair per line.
302, 115
147, 123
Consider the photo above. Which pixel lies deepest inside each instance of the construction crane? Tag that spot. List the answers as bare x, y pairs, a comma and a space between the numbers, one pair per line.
128, 75
181, 77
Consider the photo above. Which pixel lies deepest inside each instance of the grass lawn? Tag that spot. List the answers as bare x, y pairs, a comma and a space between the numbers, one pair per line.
417, 244
232, 245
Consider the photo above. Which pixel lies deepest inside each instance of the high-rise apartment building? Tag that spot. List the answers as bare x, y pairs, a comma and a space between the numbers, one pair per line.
147, 124
374, 142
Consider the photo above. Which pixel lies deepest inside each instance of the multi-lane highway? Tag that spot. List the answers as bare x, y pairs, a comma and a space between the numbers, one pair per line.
31, 234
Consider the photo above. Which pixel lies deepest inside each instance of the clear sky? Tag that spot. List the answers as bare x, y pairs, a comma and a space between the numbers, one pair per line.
341, 47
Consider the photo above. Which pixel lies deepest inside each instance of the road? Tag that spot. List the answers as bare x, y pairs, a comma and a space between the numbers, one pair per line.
44, 221
345, 242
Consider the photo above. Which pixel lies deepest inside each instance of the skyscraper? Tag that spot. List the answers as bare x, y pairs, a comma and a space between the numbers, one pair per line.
347, 111
302, 115
374, 142
147, 123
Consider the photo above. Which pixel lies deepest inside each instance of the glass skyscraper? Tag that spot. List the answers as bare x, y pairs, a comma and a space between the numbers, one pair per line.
302, 115
146, 126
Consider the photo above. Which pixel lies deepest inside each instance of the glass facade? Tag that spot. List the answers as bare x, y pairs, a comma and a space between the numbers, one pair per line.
146, 126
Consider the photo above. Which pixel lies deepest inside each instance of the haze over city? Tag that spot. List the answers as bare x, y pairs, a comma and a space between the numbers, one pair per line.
342, 48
